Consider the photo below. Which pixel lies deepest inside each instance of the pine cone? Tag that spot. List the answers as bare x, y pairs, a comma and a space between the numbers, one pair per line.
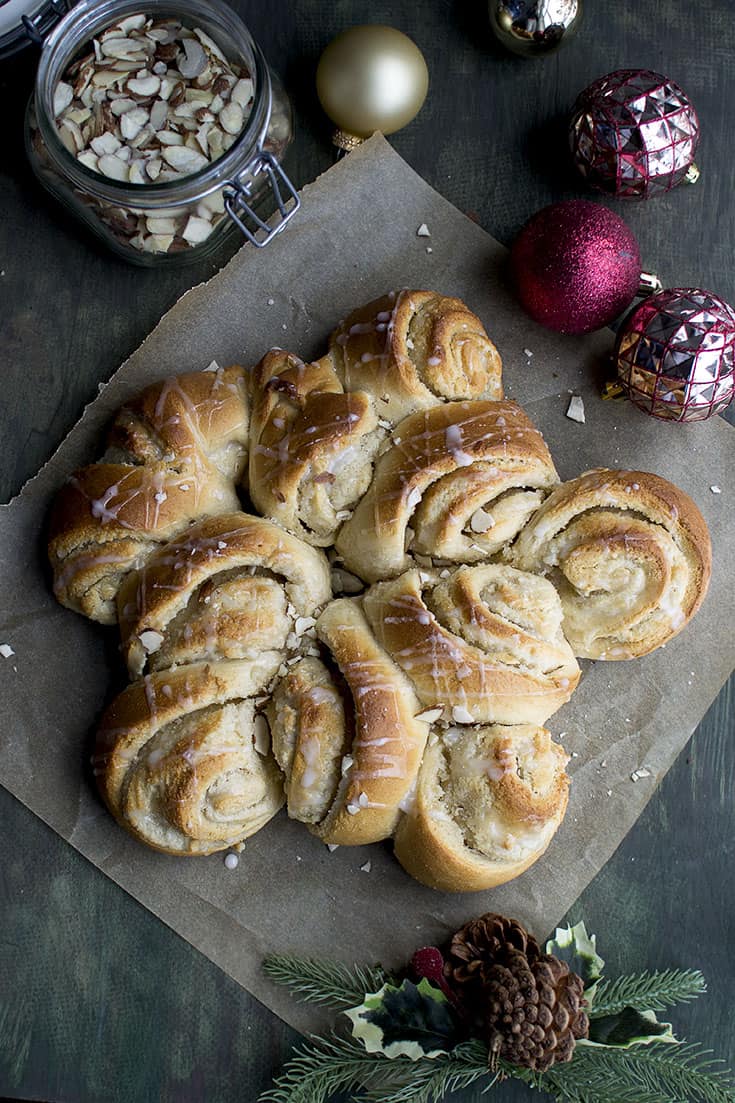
524, 1003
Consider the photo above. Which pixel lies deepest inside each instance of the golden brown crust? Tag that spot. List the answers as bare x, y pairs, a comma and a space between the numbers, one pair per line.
312, 445
108, 517
412, 349
201, 414
232, 586
488, 802
176, 761
388, 738
311, 735
484, 644
458, 456
630, 556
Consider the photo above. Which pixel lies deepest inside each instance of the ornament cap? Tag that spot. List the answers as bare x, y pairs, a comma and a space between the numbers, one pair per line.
649, 284
343, 140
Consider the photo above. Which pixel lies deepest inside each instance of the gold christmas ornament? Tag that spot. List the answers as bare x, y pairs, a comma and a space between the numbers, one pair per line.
371, 78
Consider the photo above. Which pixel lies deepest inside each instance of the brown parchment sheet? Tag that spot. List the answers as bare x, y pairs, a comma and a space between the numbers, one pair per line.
354, 238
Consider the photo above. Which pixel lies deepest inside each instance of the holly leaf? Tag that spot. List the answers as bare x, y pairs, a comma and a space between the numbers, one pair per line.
413, 1020
579, 950
627, 1028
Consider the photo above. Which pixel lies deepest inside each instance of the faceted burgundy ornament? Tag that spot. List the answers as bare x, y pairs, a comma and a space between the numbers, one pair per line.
634, 134
675, 354
576, 266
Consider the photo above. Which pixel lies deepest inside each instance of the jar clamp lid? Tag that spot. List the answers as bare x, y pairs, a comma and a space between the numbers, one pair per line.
246, 175
26, 22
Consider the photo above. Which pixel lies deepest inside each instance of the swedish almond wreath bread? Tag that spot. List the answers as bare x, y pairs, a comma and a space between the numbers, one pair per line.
390, 469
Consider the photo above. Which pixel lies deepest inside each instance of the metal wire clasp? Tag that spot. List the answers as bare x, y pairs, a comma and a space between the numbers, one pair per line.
238, 199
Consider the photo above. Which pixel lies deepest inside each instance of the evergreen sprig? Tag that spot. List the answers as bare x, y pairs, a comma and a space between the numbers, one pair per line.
327, 982
647, 991
655, 1073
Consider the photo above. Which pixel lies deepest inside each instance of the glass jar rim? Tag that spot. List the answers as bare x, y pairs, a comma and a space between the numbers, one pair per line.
86, 19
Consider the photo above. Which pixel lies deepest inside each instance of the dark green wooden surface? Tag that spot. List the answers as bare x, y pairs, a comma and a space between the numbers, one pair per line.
99, 1001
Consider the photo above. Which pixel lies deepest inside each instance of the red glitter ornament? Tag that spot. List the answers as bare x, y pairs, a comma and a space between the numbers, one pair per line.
576, 266
634, 134
675, 354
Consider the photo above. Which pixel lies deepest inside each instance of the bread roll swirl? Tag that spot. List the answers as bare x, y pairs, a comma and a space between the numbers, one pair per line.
233, 586
484, 644
172, 457
629, 555
458, 483
487, 804
312, 446
374, 732
176, 760
412, 349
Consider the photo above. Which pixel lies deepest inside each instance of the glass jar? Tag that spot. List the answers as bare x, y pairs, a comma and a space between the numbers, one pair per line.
233, 193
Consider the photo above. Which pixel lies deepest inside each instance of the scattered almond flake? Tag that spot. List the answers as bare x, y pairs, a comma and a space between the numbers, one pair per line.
574, 754
603, 764
184, 486
343, 514
429, 249
444, 572
480, 521
353, 809
561, 735
366, 867
423, 231
150, 640
575, 409
715, 490
212, 366
528, 353
6, 650
383, 423
160, 496
271, 303
460, 715
347, 763
641, 772
609, 792
331, 847
232, 861
221, 544
363, 800
430, 716
303, 624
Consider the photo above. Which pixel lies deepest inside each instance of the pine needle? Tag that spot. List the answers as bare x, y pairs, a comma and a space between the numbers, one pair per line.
647, 991
327, 1065
327, 982
655, 1073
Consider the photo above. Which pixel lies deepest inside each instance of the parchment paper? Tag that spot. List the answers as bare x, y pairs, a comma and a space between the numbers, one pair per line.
355, 238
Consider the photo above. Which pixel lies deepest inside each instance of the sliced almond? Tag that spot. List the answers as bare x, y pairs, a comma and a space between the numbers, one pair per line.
88, 159
231, 118
106, 143
196, 230
112, 166
144, 86
159, 114
214, 202
430, 716
242, 92
194, 60
160, 225
207, 42
122, 104
183, 159
169, 138
79, 115
132, 23
120, 47
481, 521
63, 95
132, 122
137, 174
153, 167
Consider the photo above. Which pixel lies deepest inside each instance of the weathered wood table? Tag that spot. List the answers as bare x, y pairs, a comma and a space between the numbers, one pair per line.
98, 1000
